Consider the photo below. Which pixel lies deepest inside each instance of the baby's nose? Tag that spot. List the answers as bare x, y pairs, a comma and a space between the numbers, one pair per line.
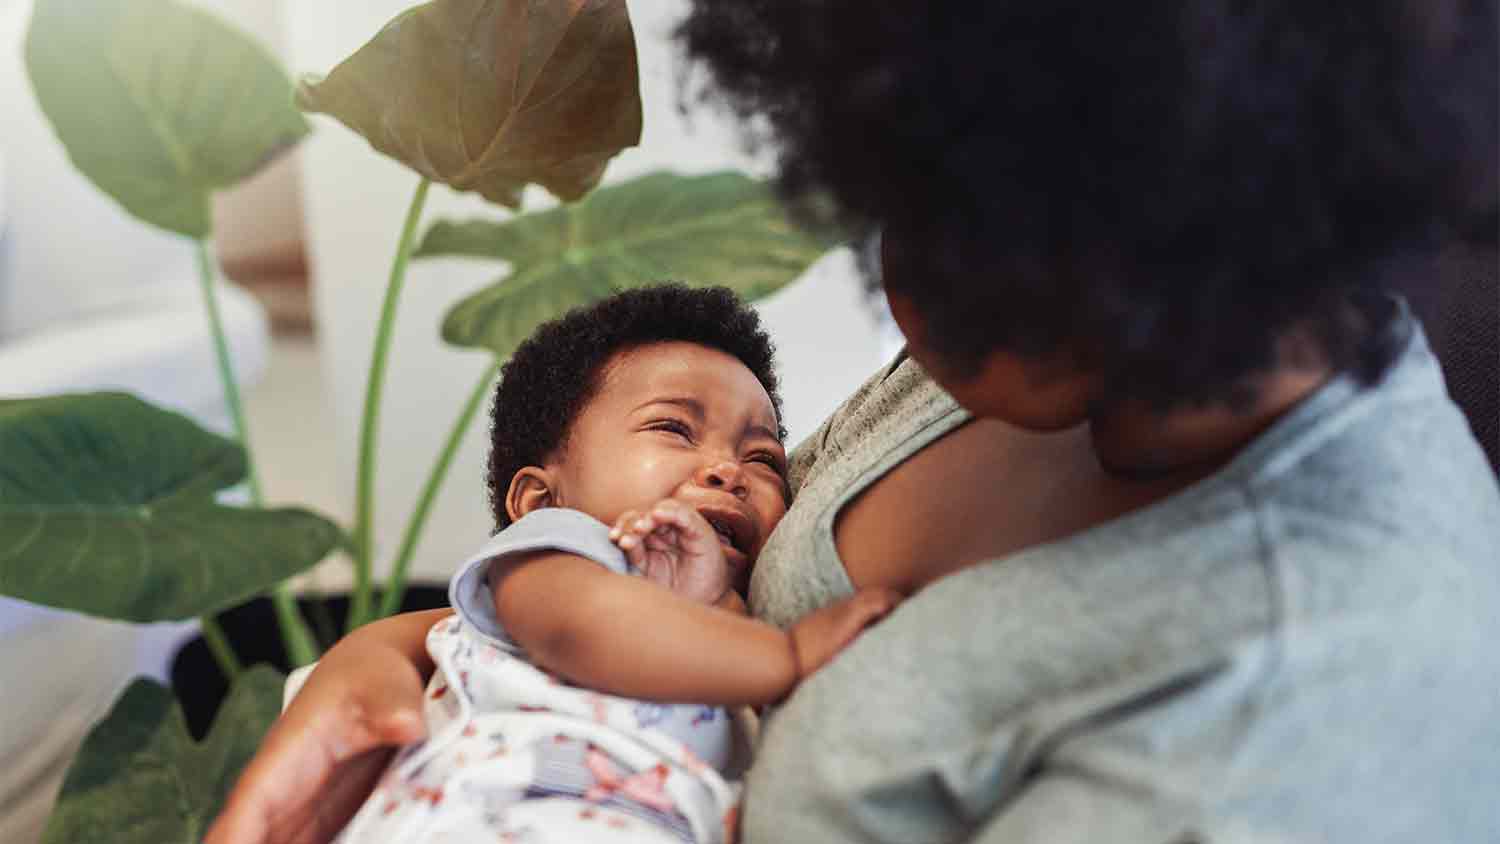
725, 475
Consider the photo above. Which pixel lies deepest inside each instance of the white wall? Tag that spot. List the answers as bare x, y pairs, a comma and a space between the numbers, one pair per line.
70, 250
90, 298
260, 219
53, 210
354, 201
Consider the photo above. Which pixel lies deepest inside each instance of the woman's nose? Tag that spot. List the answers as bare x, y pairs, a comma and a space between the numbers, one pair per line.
725, 475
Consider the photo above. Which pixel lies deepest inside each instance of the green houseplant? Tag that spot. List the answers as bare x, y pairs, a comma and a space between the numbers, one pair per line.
112, 507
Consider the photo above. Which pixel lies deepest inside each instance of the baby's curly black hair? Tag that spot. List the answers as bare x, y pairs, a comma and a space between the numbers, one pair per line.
555, 372
1160, 188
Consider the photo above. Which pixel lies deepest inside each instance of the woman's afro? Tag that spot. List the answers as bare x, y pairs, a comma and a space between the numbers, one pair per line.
1161, 187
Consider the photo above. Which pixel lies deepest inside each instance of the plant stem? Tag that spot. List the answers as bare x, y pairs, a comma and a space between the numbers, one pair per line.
395, 588
226, 366
364, 506
295, 636
218, 645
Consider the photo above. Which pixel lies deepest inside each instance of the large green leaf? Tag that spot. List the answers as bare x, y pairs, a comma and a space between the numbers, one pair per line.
716, 229
107, 506
158, 103
490, 95
139, 778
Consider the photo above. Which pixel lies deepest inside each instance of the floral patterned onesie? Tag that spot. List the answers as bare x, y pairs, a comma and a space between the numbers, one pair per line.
516, 754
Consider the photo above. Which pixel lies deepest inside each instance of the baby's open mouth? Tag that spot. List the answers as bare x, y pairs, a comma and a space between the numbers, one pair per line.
734, 528
725, 534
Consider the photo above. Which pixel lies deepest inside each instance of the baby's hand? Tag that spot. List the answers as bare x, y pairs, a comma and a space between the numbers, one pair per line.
822, 633
674, 546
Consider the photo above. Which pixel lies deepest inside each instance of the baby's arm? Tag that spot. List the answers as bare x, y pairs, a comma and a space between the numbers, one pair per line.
672, 545
630, 637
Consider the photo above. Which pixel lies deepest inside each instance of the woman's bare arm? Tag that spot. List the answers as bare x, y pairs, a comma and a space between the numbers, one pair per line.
323, 755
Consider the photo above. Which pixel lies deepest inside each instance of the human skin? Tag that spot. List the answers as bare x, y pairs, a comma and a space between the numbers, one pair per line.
324, 754
1046, 459
669, 421
676, 436
1012, 488
1043, 460
689, 434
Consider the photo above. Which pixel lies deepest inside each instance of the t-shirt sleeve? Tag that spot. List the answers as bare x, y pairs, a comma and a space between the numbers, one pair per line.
547, 529
821, 443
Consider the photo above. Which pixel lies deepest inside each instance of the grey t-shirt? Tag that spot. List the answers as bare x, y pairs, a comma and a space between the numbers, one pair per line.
1300, 648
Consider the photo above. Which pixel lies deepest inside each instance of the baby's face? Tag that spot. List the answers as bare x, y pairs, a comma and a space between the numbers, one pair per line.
679, 420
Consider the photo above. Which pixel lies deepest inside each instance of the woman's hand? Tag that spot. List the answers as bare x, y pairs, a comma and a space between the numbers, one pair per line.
819, 636
674, 546
323, 756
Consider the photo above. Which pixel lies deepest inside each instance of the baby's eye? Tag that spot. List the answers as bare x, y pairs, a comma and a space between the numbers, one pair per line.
768, 459
672, 426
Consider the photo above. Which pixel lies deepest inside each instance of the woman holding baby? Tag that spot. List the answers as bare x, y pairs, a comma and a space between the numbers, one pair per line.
1193, 543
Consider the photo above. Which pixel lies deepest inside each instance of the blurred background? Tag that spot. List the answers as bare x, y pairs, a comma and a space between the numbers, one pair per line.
311, 238
351, 202
92, 299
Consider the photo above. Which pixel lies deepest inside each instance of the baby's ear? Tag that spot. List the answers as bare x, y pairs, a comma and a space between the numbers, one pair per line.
530, 489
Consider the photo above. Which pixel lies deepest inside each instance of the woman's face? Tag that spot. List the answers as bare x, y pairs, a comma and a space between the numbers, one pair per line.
1031, 394
679, 420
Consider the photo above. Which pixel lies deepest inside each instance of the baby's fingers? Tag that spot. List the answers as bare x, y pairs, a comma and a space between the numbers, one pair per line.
624, 526
631, 528
662, 540
874, 603
690, 524
630, 533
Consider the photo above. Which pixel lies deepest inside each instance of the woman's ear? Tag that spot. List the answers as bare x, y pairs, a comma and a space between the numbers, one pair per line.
531, 488
910, 320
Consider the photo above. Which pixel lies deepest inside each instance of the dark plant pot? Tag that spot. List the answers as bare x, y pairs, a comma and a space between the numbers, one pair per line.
253, 632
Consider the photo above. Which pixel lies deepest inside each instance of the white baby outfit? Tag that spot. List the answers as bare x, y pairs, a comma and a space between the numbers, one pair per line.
516, 754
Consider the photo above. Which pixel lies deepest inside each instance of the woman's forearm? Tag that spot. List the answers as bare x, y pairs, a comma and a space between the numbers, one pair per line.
405, 633
320, 759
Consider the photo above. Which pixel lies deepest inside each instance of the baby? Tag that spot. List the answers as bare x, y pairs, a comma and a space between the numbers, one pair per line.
636, 470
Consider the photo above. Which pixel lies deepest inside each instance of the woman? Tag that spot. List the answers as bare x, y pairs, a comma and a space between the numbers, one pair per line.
1214, 562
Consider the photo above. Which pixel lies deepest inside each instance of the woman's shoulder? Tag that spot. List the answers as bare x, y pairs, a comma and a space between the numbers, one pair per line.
1334, 580
886, 409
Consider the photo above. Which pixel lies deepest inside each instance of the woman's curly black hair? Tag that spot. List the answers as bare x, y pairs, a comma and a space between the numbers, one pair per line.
556, 371
1159, 187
